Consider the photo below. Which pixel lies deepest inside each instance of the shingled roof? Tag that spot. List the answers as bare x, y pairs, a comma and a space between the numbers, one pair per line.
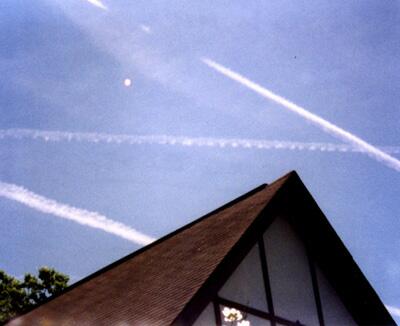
171, 280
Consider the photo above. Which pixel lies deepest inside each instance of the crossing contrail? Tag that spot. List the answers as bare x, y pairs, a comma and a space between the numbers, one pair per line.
98, 4
78, 215
327, 126
65, 136
394, 311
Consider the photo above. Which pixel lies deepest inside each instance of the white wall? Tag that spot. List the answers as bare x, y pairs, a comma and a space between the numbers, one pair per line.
290, 279
207, 317
246, 284
334, 311
289, 274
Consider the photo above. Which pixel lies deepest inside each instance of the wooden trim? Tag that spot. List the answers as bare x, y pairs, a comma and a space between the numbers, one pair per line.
267, 284
217, 313
258, 313
315, 286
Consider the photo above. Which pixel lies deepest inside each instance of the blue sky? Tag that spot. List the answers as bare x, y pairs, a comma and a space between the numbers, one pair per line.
63, 66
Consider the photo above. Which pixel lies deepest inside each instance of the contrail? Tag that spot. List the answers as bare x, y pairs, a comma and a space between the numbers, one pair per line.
394, 311
327, 126
59, 136
78, 215
98, 4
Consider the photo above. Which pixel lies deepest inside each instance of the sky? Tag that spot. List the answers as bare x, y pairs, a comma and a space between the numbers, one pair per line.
122, 121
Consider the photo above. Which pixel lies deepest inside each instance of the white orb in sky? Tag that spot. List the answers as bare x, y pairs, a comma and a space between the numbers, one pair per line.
127, 82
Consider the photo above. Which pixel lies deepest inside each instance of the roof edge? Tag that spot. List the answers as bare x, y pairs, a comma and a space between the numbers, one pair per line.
330, 244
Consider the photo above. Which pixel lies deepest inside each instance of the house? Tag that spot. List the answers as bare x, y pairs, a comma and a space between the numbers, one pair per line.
269, 257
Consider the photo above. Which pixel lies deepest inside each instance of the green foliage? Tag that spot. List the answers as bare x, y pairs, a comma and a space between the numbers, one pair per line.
18, 296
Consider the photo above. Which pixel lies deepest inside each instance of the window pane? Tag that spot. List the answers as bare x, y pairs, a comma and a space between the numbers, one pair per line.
207, 317
289, 273
256, 321
246, 284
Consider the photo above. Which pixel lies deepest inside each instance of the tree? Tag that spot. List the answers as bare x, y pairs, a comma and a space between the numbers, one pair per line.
235, 317
17, 296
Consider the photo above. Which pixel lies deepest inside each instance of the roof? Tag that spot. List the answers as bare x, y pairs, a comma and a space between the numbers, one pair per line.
171, 280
